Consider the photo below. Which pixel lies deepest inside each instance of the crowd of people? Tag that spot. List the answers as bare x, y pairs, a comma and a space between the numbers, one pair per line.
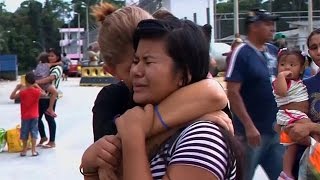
182, 124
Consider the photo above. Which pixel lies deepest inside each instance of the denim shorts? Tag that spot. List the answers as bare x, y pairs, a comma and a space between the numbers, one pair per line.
29, 126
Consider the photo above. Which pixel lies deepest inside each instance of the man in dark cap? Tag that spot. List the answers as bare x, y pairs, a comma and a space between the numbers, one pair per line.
251, 70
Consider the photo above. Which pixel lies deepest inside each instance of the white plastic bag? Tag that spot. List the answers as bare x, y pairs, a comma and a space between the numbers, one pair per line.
309, 166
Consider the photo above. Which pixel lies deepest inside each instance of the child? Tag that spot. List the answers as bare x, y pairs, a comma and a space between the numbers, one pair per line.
43, 70
292, 99
66, 63
29, 98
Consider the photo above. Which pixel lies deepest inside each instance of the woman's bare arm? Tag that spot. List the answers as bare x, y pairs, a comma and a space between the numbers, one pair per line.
189, 103
46, 79
186, 172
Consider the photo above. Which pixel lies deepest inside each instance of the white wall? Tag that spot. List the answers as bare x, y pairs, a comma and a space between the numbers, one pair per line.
186, 8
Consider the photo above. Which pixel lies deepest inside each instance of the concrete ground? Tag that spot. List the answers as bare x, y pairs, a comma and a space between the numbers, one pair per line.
74, 135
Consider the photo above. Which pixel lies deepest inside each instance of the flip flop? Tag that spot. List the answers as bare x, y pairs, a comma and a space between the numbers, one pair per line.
48, 146
40, 144
284, 176
42, 141
54, 115
35, 153
22, 154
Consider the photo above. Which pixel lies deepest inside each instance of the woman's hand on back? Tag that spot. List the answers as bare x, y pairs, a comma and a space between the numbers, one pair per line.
220, 118
134, 122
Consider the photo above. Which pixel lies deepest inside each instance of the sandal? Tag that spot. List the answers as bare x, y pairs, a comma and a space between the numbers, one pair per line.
48, 146
42, 140
54, 115
35, 153
284, 176
22, 154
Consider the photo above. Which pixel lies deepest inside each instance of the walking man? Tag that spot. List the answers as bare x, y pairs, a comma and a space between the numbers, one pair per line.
251, 71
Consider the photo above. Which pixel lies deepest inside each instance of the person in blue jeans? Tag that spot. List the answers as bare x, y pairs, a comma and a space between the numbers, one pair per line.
252, 68
29, 96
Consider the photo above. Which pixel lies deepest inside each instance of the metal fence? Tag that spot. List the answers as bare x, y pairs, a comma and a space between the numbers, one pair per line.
224, 22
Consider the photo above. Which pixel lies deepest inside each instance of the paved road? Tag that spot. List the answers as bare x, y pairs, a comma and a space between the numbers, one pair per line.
74, 134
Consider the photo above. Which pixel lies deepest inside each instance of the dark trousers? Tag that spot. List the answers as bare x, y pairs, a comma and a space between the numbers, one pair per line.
43, 106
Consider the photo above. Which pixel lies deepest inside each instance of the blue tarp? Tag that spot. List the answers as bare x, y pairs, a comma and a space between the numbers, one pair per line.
8, 63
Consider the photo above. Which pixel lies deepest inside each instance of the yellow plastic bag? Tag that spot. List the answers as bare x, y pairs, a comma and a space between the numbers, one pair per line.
13, 140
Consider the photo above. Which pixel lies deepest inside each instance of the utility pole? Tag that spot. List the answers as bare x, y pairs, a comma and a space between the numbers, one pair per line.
195, 18
208, 15
310, 12
208, 12
78, 35
214, 22
87, 22
78, 39
236, 16
270, 6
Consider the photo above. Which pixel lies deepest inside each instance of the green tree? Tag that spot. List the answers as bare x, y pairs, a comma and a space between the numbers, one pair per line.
2, 5
34, 17
244, 5
53, 17
5, 18
80, 6
32, 27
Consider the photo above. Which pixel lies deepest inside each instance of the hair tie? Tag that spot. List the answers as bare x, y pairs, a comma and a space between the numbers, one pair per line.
160, 118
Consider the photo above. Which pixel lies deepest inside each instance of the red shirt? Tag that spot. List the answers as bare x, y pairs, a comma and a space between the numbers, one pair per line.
29, 103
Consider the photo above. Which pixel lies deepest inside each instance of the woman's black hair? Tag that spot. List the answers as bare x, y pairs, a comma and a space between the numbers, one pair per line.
186, 44
207, 29
314, 32
56, 52
235, 154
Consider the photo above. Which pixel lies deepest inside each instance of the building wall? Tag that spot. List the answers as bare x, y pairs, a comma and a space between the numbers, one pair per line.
72, 42
186, 9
